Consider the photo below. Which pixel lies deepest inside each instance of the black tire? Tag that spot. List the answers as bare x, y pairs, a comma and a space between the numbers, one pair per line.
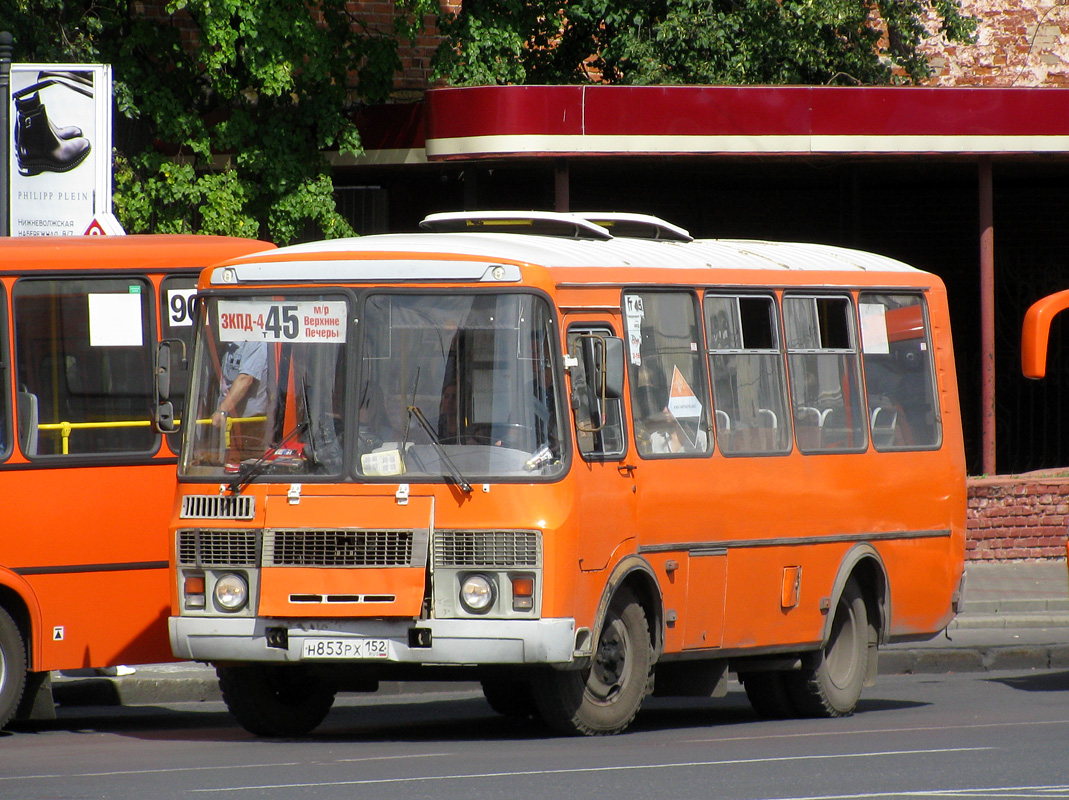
12, 667
509, 697
830, 682
603, 699
768, 694
269, 700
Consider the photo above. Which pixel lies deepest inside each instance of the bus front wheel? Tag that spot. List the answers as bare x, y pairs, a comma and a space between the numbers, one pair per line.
12, 667
604, 698
830, 682
275, 701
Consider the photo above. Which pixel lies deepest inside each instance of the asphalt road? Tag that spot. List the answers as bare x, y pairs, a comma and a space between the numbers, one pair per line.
990, 734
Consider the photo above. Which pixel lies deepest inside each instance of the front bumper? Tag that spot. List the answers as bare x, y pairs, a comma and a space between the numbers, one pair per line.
452, 641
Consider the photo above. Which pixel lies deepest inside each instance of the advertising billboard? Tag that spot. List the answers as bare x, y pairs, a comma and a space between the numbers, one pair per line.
60, 148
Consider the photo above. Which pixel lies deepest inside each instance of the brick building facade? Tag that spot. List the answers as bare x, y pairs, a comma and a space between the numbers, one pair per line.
1018, 43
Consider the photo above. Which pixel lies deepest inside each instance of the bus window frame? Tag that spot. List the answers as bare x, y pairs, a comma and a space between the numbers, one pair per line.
854, 334
933, 379
579, 328
779, 350
167, 331
150, 336
8, 418
704, 393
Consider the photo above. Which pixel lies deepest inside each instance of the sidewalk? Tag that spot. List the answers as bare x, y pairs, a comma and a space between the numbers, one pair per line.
1015, 616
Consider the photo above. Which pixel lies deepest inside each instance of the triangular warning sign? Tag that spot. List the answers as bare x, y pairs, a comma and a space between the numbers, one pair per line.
682, 401
105, 224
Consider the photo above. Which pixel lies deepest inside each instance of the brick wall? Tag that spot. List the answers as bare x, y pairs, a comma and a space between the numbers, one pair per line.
1019, 43
1017, 517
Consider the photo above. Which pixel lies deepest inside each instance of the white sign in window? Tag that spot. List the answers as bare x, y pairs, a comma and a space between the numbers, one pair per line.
115, 320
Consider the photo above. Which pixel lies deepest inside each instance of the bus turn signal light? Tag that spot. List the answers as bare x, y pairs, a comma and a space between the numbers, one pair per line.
522, 592
193, 589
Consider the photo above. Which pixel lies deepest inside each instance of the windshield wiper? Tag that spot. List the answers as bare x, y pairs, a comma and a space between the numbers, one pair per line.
256, 467
454, 473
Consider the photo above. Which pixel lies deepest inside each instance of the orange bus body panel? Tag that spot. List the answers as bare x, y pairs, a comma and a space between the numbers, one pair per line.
84, 549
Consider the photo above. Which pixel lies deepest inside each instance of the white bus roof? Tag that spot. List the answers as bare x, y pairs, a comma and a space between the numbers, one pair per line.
470, 256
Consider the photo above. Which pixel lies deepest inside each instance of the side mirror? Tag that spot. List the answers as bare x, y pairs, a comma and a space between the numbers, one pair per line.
163, 371
603, 362
613, 367
164, 417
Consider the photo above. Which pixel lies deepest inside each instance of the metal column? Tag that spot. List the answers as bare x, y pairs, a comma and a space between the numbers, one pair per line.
561, 188
987, 314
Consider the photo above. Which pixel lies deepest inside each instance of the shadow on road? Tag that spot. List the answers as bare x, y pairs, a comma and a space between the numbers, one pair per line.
1045, 681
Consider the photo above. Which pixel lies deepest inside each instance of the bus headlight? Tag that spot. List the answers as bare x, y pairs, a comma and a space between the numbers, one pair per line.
477, 594
231, 592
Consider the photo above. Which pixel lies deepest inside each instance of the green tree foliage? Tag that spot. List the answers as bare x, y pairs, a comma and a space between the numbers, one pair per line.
225, 132
693, 41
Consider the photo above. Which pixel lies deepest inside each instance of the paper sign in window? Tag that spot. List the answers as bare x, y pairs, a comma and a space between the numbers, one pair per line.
115, 320
874, 328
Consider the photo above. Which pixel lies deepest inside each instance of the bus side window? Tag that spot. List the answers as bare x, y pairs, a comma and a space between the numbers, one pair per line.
669, 399
176, 305
899, 380
822, 357
747, 368
84, 354
6, 439
599, 432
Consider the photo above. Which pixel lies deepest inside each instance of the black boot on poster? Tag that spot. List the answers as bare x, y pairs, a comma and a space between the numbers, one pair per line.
40, 146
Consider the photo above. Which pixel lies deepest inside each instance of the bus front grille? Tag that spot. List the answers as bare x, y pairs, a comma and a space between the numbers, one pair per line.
218, 506
345, 547
487, 549
225, 548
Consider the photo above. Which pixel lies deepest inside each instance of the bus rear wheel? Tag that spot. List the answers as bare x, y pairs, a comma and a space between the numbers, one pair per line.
269, 700
12, 667
768, 694
830, 682
604, 698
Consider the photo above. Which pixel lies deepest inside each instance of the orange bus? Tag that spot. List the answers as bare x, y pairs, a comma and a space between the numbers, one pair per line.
1035, 335
579, 458
85, 482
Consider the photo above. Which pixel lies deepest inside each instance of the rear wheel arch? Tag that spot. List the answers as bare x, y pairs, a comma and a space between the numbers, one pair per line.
15, 604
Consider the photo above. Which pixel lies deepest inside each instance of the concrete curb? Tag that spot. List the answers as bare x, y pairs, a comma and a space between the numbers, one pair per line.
1006, 620
973, 659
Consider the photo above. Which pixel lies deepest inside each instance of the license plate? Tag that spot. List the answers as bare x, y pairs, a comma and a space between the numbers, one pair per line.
345, 648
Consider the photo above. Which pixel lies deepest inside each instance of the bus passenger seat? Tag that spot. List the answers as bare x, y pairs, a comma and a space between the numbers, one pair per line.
28, 417
884, 421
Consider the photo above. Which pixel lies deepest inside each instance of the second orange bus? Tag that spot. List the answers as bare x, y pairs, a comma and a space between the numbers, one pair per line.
580, 458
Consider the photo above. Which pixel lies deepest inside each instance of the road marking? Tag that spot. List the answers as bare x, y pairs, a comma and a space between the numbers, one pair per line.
582, 770
219, 767
864, 732
1038, 792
